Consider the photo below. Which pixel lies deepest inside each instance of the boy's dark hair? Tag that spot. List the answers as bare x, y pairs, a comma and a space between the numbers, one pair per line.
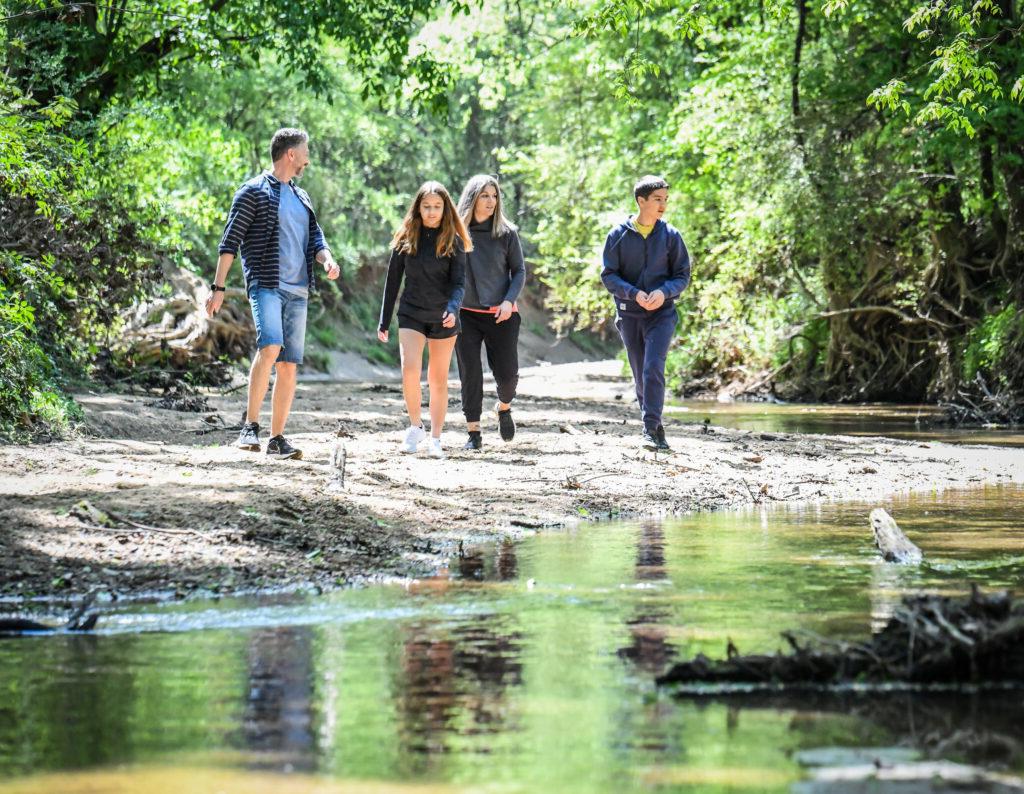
647, 185
284, 139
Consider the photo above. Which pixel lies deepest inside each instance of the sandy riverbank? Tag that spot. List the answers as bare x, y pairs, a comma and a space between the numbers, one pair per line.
181, 513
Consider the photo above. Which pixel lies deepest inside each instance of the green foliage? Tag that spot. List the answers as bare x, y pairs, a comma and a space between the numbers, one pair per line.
990, 345
80, 246
37, 162
974, 52
101, 54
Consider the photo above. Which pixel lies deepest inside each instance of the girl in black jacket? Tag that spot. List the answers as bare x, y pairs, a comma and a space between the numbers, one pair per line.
429, 251
490, 318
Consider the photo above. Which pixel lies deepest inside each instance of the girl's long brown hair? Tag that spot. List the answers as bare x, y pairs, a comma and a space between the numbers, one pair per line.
408, 235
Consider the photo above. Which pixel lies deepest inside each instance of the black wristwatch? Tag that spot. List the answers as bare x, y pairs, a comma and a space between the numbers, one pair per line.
215, 288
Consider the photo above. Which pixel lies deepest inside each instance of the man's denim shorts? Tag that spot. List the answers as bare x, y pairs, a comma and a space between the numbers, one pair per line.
280, 318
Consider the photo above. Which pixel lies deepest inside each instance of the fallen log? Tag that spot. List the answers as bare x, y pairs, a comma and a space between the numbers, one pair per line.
929, 640
890, 540
81, 620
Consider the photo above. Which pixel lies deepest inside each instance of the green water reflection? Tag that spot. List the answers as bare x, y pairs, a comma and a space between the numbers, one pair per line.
923, 422
525, 667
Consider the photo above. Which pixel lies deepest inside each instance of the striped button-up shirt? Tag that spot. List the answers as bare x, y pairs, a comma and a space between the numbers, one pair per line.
253, 227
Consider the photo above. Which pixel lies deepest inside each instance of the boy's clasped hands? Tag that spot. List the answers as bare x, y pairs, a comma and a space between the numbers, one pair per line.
650, 301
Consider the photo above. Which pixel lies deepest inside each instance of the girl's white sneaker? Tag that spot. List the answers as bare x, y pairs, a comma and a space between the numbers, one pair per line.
434, 448
413, 436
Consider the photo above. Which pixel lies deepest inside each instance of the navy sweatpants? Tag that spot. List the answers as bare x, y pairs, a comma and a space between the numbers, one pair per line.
647, 338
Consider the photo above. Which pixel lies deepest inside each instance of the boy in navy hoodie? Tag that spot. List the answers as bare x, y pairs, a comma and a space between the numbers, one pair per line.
646, 267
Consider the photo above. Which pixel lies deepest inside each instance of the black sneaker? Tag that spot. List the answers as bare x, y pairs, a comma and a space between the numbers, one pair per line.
474, 441
279, 449
249, 437
654, 440
506, 425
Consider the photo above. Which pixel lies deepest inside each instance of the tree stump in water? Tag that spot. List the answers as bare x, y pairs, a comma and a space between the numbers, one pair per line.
890, 540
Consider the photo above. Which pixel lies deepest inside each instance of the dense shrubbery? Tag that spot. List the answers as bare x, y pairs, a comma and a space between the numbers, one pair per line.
76, 251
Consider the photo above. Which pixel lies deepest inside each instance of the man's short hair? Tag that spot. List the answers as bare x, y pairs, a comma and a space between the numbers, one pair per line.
284, 139
647, 185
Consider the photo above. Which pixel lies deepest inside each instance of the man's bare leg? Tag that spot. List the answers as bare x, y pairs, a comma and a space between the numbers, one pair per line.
284, 393
259, 379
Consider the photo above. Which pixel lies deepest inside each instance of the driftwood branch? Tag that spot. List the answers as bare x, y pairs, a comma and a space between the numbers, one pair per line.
890, 540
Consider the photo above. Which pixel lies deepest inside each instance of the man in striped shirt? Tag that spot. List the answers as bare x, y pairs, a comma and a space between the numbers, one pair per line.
273, 224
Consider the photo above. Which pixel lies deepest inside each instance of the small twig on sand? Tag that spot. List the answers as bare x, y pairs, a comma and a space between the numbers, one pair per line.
141, 528
598, 476
570, 481
99, 521
784, 497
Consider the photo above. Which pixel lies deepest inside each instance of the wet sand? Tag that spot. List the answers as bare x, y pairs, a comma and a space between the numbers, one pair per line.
178, 513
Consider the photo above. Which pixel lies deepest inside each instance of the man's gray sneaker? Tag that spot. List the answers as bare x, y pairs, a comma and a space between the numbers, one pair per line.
249, 438
655, 440
279, 449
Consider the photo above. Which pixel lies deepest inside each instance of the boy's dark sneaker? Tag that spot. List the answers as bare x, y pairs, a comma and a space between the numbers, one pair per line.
280, 449
475, 441
654, 440
506, 425
249, 437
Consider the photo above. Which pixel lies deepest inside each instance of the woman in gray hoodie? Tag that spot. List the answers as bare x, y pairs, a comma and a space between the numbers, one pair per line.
495, 274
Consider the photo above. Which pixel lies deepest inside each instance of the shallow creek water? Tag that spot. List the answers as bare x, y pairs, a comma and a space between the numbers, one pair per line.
922, 422
524, 667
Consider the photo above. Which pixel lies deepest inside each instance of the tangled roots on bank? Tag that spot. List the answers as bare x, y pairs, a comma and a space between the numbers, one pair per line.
977, 403
172, 332
929, 640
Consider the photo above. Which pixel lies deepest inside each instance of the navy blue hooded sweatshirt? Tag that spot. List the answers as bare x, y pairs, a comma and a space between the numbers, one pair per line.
632, 264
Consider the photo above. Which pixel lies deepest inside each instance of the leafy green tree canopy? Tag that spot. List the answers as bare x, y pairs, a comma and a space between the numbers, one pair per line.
107, 50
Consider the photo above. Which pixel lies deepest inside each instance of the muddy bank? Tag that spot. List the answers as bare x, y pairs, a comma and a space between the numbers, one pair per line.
186, 512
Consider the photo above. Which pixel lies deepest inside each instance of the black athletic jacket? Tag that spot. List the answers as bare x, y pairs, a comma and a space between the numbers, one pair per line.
433, 284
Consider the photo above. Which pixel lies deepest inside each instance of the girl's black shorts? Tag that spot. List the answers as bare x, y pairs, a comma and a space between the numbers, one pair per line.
431, 330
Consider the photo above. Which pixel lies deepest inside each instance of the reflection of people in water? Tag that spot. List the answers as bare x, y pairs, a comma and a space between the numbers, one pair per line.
278, 707
455, 680
649, 651
472, 564
507, 565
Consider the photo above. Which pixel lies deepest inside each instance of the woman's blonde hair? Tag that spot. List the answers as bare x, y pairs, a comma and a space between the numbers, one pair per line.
408, 235
467, 203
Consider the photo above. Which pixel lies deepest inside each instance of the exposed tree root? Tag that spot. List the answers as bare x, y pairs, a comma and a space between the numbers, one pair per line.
930, 640
173, 331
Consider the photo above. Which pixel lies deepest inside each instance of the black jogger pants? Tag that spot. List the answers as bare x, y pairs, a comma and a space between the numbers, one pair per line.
501, 340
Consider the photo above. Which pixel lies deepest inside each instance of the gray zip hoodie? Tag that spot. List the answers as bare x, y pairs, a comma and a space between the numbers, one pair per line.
496, 271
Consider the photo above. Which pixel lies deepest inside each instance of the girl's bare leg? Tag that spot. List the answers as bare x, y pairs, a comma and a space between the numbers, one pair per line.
439, 359
410, 346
